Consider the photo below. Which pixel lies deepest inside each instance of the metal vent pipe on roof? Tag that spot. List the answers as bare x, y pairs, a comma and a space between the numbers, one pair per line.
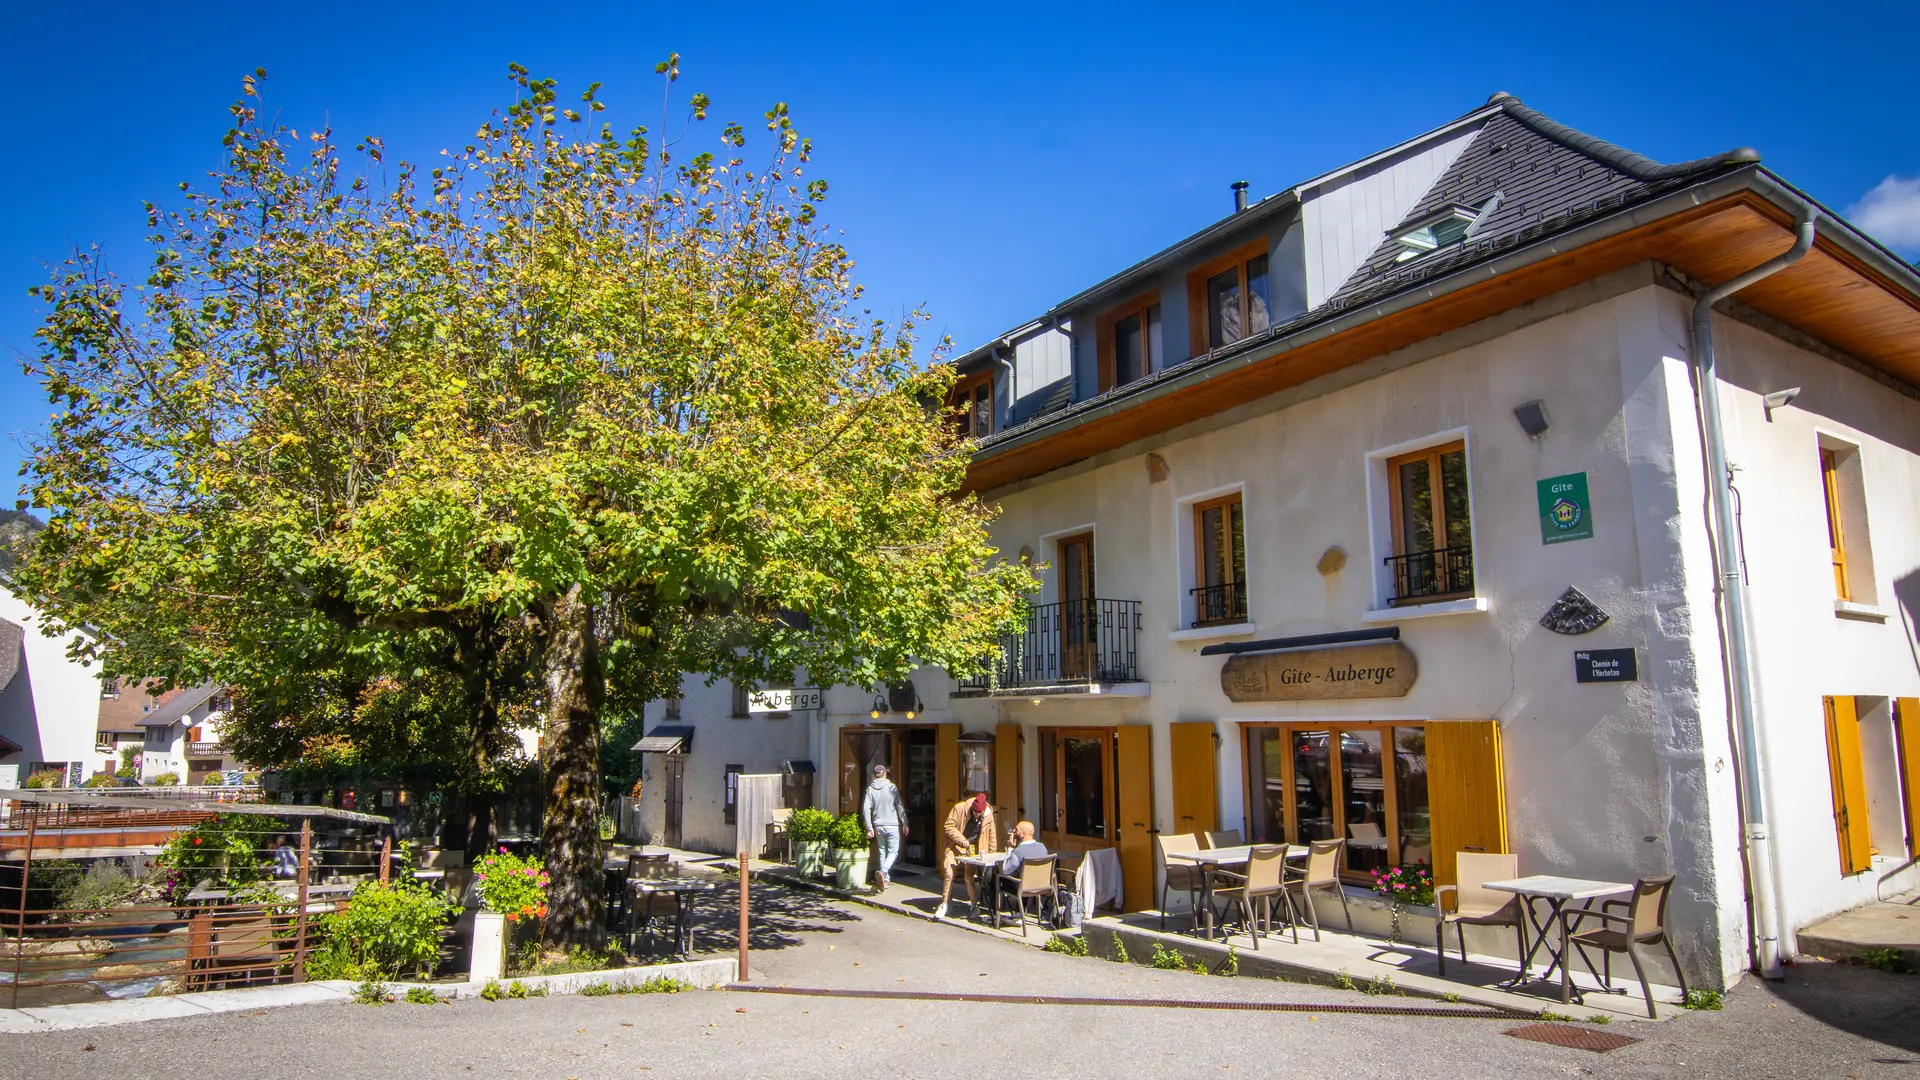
1239, 195
1762, 879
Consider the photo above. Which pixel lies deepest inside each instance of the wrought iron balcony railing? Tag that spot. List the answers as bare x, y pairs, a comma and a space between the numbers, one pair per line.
1423, 575
1222, 603
1076, 641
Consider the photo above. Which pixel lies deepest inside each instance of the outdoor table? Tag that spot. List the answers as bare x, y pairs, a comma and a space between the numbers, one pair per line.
978, 867
1558, 892
684, 888
1215, 858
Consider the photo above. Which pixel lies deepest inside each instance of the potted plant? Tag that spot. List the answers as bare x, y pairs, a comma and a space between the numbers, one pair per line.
850, 849
1408, 885
511, 889
809, 830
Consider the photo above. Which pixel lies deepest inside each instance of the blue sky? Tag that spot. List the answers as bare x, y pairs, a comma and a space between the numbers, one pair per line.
984, 164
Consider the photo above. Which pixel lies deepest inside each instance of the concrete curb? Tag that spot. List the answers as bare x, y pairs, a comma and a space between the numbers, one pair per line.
702, 974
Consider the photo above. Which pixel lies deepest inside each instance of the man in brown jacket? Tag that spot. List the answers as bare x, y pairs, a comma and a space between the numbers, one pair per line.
970, 824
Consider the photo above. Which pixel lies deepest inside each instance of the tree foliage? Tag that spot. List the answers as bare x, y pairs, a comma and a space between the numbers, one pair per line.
407, 455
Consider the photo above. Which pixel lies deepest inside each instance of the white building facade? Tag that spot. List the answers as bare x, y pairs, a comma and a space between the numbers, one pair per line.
1379, 511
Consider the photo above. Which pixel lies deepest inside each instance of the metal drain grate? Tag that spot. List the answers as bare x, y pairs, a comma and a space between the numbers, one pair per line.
1454, 1012
1574, 1038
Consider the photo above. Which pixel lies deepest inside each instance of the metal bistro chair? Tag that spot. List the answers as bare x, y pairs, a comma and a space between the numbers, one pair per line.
1178, 875
1644, 922
1476, 905
1036, 880
1322, 872
1264, 880
639, 868
1223, 838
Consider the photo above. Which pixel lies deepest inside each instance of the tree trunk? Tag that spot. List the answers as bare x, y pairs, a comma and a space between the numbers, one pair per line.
482, 831
570, 824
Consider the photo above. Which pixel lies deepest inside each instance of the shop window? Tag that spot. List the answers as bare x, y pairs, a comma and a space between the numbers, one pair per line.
1432, 525
1846, 517
1365, 784
733, 792
1130, 341
1227, 299
1220, 562
740, 692
971, 403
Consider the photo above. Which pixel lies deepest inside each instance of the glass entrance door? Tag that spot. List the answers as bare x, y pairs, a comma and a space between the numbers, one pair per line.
1077, 788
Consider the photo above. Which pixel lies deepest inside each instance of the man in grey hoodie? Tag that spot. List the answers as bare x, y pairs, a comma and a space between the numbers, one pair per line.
886, 818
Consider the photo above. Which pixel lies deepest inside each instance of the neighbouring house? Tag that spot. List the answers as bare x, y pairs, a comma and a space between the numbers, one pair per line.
1390, 508
123, 702
49, 702
182, 736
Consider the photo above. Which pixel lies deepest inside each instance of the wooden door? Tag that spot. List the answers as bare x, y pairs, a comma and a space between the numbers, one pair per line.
675, 766
1079, 786
1006, 775
1133, 781
1196, 778
1849, 785
1466, 792
1079, 621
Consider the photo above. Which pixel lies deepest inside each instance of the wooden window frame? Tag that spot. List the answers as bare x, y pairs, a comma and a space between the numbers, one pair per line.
961, 398
1389, 762
1238, 258
1431, 455
1103, 333
1836, 534
1053, 777
1200, 550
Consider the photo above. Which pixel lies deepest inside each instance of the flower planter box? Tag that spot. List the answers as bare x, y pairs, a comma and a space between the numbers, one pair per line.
489, 952
850, 868
810, 857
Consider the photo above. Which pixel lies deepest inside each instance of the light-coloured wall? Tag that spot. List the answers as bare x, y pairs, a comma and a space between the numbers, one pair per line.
51, 706
1804, 649
757, 743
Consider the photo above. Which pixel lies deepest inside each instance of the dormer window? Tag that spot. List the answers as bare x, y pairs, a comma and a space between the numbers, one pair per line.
1130, 342
1227, 299
1435, 231
972, 405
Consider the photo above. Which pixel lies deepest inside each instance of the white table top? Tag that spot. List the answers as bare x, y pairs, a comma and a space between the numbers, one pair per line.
1555, 887
1228, 856
984, 858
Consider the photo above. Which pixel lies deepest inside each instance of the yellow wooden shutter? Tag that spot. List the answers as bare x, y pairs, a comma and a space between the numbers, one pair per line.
1133, 781
1849, 785
946, 764
1909, 734
1466, 791
1006, 773
1196, 779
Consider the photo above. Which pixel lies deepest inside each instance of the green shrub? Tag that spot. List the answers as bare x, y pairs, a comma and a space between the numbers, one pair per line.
492, 991
1382, 986
847, 832
165, 779
598, 989
808, 824
1704, 1000
1069, 944
518, 990
581, 958
420, 995
104, 885
1547, 1016
102, 780
1344, 981
663, 984
1600, 1018
370, 991
1232, 966
1886, 959
1120, 950
46, 778
226, 848
386, 930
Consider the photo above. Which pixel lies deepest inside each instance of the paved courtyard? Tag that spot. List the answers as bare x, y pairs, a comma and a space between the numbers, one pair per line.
1828, 1020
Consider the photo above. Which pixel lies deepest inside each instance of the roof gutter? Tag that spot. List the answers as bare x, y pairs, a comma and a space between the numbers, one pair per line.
1762, 883
1542, 250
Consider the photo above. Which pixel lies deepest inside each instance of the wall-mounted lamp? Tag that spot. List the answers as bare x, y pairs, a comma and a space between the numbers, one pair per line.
1533, 418
879, 706
1036, 701
1779, 399
917, 708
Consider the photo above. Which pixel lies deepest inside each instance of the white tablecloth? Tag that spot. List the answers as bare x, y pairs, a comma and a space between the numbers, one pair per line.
1099, 879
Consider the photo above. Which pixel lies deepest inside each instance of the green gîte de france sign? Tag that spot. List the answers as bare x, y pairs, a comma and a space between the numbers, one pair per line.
1565, 513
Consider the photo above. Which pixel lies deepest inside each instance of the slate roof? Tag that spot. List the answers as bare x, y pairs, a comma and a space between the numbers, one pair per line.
1545, 173
179, 706
12, 636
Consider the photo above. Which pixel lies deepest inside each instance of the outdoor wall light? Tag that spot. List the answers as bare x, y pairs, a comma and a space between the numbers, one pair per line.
1779, 399
879, 706
1533, 418
917, 709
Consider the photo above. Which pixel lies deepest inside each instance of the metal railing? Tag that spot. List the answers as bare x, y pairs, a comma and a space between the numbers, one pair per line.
1076, 641
1424, 574
1222, 603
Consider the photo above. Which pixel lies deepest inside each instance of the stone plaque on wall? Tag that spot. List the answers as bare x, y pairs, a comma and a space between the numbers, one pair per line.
1386, 669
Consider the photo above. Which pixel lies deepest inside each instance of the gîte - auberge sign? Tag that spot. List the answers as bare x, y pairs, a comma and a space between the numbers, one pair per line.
1386, 669
776, 701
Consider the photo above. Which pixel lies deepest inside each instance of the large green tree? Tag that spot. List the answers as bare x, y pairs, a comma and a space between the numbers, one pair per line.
588, 397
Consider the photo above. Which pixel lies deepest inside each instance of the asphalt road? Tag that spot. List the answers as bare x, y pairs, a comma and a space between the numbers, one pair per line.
1827, 1021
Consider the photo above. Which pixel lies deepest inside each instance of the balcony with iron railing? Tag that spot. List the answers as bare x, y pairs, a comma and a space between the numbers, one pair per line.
1068, 647
1218, 605
1421, 576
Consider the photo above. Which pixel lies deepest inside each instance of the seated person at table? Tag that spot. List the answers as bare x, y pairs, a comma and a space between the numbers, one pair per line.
1021, 846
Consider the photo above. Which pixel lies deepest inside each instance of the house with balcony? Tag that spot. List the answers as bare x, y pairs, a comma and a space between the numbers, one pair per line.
182, 736
1389, 508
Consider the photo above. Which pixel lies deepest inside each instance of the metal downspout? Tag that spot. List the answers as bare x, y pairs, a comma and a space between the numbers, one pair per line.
1762, 880
1005, 419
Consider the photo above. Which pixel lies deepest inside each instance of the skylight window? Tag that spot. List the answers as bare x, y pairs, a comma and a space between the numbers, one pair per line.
1436, 231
